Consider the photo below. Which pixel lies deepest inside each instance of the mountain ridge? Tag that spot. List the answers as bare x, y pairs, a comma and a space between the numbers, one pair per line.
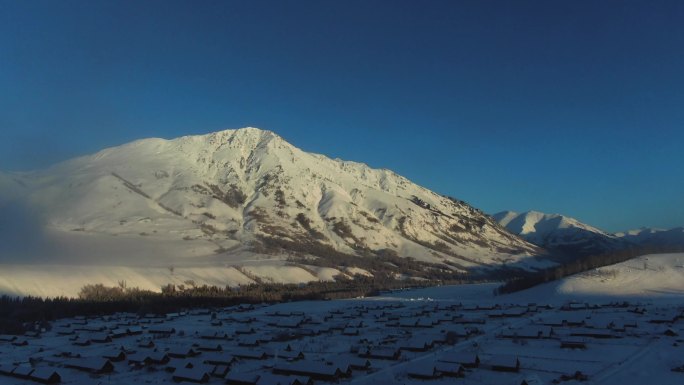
560, 234
570, 237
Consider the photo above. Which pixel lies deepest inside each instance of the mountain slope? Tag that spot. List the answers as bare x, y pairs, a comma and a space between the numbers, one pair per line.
560, 234
237, 196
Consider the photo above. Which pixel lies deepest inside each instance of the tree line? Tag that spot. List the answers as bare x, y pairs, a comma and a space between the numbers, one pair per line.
20, 314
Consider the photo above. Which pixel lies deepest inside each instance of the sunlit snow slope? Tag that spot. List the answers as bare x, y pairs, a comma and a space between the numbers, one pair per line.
648, 275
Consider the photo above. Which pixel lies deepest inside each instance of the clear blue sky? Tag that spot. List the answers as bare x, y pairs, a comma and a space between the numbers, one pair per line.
574, 107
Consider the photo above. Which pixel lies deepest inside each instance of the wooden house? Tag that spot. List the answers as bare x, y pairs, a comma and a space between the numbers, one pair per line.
242, 378
115, 355
279, 379
382, 353
504, 363
466, 359
424, 370
91, 364
46, 376
161, 330
573, 343
218, 358
250, 354
197, 375
148, 358
316, 370
181, 352
207, 347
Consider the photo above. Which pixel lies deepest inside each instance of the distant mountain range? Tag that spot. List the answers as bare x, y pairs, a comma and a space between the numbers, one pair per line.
569, 238
654, 237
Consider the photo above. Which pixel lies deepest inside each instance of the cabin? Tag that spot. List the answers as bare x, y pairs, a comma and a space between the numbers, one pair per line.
248, 340
118, 333
22, 372
290, 355
162, 331
424, 370
148, 344
354, 363
573, 343
82, 341
593, 333
249, 354
245, 330
242, 378
100, 338
198, 375
278, 379
574, 306
466, 359
91, 364
209, 347
220, 370
213, 335
20, 342
114, 355
449, 369
527, 332
416, 344
64, 331
504, 363
531, 380
470, 320
218, 358
7, 338
180, 352
458, 331
6, 369
148, 358
315, 370
45, 376
382, 353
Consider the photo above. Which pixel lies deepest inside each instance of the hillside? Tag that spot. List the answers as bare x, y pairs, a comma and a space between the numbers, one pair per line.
247, 197
653, 276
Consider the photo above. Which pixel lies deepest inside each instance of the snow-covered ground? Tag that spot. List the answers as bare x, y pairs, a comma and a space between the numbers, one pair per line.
67, 280
629, 337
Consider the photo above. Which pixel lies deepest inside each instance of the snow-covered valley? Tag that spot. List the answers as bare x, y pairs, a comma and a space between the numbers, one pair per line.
442, 335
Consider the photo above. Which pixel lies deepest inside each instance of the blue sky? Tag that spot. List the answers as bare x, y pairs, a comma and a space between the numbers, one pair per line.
574, 107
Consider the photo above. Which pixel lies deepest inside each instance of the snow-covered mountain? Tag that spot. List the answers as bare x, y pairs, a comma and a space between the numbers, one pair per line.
654, 237
560, 234
237, 196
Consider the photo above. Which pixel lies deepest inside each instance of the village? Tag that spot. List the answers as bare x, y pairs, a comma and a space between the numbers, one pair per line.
385, 340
